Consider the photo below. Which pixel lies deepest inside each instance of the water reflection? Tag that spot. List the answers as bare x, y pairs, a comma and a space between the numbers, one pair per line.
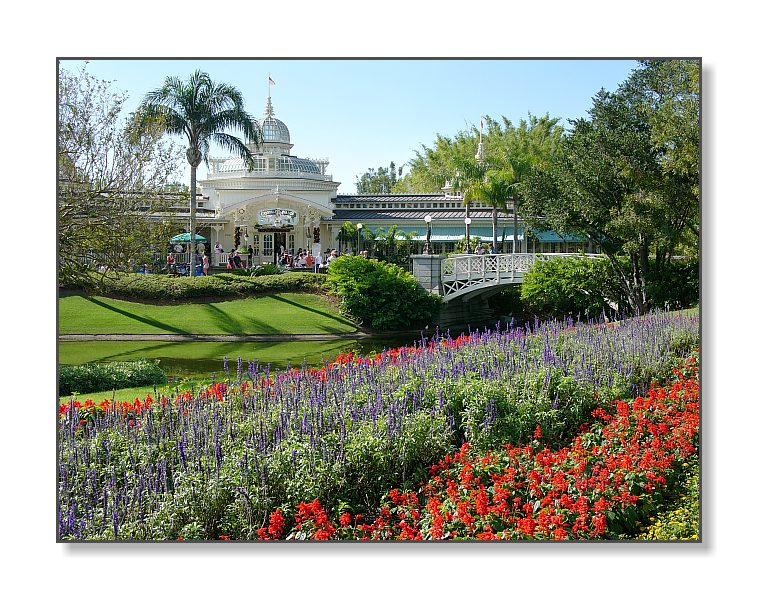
204, 359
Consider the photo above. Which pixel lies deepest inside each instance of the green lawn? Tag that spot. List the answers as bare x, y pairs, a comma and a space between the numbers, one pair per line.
285, 313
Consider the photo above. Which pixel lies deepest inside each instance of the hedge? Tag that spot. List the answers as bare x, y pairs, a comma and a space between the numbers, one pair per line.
98, 377
165, 287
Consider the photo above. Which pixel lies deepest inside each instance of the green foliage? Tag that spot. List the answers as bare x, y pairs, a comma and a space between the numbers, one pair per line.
681, 519
392, 245
675, 285
380, 181
380, 295
166, 287
473, 240
615, 178
569, 286
108, 179
490, 413
269, 269
100, 377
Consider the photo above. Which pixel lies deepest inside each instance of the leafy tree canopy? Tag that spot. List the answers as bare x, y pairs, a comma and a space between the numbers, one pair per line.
110, 177
379, 181
624, 177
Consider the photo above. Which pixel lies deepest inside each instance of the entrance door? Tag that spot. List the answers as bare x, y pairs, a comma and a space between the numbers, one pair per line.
268, 248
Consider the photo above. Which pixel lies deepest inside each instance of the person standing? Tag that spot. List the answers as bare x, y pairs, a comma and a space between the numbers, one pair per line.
206, 263
319, 261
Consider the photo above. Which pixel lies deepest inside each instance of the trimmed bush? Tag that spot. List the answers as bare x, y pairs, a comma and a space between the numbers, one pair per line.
380, 295
99, 377
165, 287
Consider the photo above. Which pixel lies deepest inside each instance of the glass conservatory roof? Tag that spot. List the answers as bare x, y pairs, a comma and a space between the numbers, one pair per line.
275, 130
283, 163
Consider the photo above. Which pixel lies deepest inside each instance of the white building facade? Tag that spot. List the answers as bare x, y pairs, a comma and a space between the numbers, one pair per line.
287, 203
283, 203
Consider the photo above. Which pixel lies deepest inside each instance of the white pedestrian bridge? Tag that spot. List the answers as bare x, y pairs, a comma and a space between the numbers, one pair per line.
471, 274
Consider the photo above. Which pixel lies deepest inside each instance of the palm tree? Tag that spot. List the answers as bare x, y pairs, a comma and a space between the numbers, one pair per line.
493, 189
514, 158
202, 111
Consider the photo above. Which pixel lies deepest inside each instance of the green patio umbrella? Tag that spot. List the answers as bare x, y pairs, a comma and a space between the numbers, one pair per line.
185, 237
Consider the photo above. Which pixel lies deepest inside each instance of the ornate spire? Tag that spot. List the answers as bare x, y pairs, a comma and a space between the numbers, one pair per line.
269, 108
480, 147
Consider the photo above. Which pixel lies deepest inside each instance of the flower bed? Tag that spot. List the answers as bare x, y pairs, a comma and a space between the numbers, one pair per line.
598, 487
219, 461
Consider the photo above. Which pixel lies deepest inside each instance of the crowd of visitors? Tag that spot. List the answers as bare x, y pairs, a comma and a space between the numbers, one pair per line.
302, 259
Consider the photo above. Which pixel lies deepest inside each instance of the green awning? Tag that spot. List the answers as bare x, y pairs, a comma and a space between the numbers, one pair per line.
552, 236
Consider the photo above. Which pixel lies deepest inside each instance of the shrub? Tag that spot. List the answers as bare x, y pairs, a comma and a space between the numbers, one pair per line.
573, 285
380, 295
270, 269
231, 284
675, 285
570, 286
98, 377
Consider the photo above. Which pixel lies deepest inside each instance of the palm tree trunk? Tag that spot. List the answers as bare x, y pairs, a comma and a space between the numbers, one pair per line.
468, 229
515, 227
193, 202
494, 228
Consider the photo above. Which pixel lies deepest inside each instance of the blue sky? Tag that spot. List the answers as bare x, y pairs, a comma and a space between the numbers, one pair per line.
366, 113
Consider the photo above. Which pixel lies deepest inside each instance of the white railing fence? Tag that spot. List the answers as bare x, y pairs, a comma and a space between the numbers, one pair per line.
463, 272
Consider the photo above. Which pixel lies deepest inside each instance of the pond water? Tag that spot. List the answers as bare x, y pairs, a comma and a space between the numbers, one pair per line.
182, 360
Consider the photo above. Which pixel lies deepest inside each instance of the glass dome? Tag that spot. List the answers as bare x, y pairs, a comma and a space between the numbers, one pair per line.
275, 131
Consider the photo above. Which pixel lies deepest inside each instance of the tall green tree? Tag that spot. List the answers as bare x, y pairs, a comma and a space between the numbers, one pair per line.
202, 111
110, 179
446, 161
379, 181
615, 178
495, 178
511, 155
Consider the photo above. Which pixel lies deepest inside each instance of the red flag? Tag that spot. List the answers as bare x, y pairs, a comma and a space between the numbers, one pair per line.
271, 81
481, 122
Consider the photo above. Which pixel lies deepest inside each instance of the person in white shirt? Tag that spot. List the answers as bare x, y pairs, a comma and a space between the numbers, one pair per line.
319, 262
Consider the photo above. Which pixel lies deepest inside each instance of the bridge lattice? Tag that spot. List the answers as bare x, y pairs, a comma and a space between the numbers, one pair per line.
469, 273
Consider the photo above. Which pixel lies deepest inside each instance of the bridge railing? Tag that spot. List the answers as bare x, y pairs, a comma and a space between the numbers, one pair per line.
463, 273
475, 266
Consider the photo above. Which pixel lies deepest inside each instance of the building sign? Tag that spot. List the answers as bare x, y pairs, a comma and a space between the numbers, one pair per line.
277, 217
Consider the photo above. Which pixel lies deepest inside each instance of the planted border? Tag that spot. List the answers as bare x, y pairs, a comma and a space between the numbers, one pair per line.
218, 461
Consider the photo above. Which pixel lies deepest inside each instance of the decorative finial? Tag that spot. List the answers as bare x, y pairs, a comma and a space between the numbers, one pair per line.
269, 108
